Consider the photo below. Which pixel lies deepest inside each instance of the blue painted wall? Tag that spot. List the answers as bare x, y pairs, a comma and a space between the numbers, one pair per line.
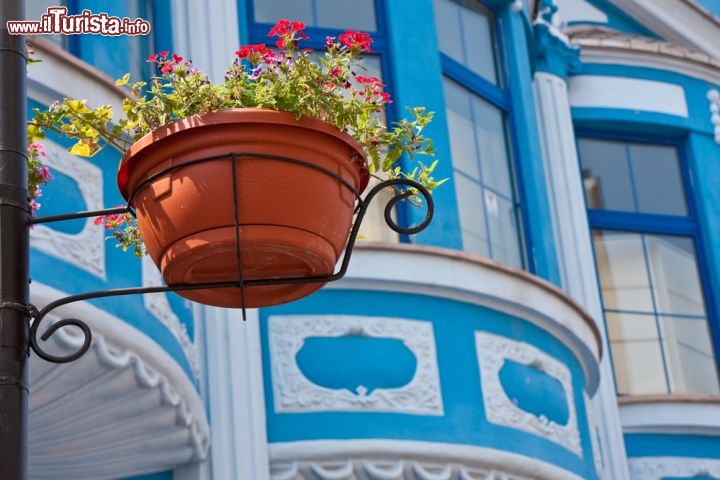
464, 421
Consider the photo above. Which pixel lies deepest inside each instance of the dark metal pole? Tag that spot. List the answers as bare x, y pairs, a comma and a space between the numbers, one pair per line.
14, 246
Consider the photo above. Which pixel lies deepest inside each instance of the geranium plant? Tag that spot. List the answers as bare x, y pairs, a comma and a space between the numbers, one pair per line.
331, 85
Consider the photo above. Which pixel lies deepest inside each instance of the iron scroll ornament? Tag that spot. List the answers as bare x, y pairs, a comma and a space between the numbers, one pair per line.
404, 189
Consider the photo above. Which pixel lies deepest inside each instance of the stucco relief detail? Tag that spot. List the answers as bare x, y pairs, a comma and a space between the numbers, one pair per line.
492, 351
594, 432
713, 97
85, 249
382, 470
657, 468
159, 306
293, 392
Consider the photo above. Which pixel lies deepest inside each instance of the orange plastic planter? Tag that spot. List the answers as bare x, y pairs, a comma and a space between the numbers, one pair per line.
294, 220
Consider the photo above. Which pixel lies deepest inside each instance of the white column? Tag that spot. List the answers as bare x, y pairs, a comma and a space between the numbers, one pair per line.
232, 385
575, 254
207, 34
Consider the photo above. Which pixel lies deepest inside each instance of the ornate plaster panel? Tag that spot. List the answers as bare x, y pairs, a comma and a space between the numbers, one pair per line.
159, 306
492, 351
85, 249
657, 468
293, 392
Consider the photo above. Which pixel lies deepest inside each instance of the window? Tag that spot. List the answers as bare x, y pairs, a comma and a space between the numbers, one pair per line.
477, 112
466, 34
646, 250
333, 14
333, 17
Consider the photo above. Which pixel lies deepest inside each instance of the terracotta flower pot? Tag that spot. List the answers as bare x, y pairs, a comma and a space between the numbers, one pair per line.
294, 220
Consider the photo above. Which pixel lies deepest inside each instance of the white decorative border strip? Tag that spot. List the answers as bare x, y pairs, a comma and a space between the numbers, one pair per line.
159, 306
492, 351
657, 468
382, 459
713, 97
293, 392
86, 249
594, 431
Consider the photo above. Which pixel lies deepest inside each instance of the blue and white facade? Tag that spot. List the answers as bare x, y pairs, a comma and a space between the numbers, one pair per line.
557, 320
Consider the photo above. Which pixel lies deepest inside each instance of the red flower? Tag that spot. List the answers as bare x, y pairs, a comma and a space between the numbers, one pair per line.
164, 54
356, 40
288, 32
152, 58
286, 27
177, 58
98, 220
386, 97
373, 81
336, 71
166, 67
253, 51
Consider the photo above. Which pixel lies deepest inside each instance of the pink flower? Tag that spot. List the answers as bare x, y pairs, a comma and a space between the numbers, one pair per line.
152, 58
164, 54
166, 67
336, 71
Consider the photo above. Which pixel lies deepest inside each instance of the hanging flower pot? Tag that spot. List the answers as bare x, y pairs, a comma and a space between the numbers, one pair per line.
294, 215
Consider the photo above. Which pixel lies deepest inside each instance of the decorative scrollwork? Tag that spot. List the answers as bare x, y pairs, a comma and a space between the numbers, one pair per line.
65, 322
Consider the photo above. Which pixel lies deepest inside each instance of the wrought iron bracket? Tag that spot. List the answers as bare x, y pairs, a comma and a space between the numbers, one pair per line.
403, 188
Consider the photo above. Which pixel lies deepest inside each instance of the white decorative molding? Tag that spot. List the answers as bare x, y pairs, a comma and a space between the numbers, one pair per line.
713, 97
492, 351
381, 459
293, 392
85, 249
657, 468
594, 432
600, 91
671, 414
124, 409
159, 306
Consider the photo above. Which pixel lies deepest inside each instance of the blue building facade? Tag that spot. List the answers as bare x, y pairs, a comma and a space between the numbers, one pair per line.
557, 320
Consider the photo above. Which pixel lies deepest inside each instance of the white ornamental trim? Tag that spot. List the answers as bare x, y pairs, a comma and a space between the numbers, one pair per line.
159, 306
85, 249
594, 431
713, 97
492, 351
383, 459
293, 392
656, 468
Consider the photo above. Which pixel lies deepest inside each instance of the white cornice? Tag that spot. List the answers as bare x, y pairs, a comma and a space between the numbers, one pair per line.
604, 46
673, 414
683, 22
